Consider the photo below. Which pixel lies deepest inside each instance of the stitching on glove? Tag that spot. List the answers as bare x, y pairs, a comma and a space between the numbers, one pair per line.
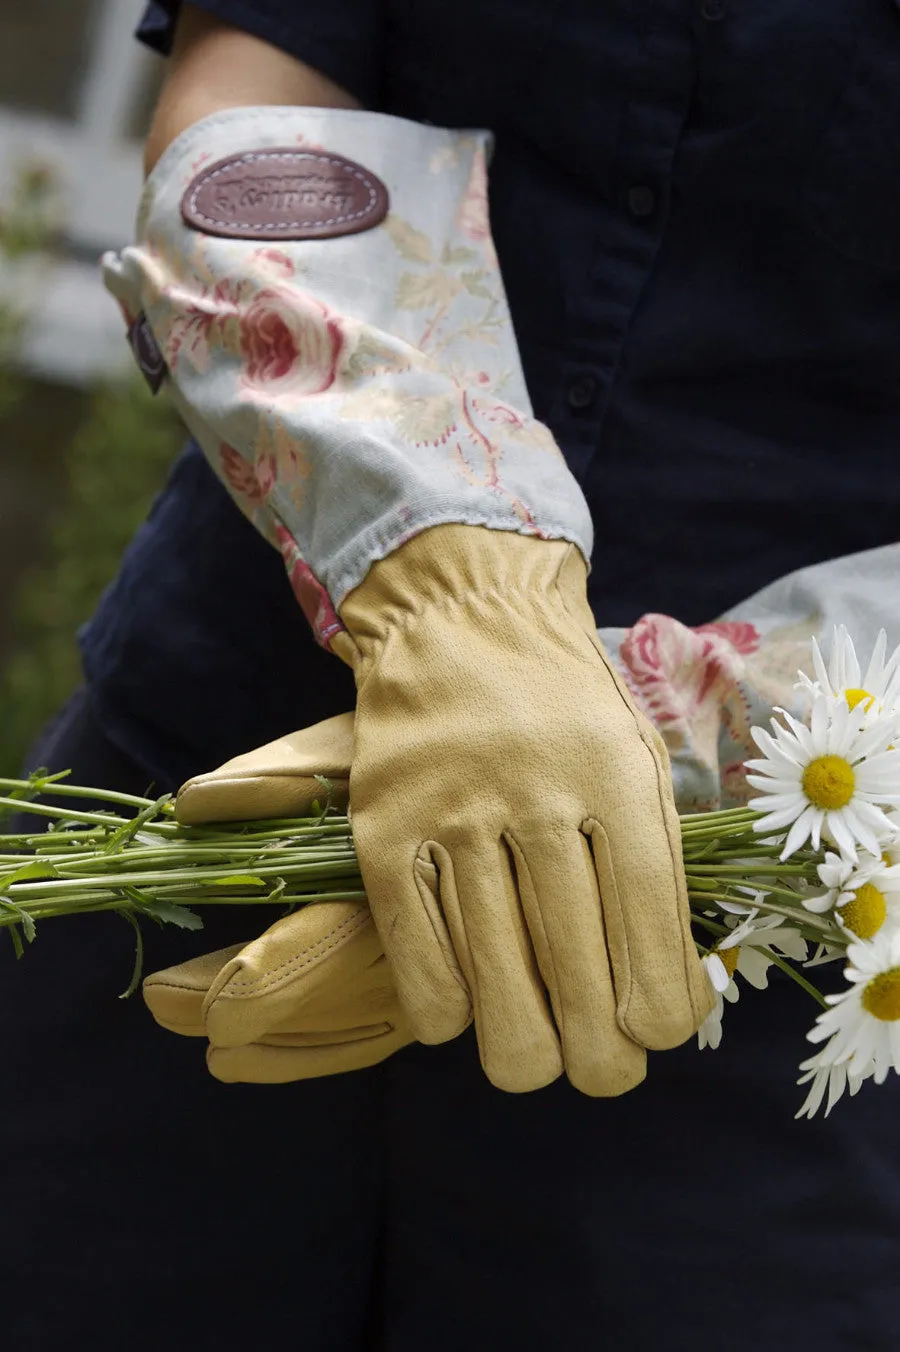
591, 827
555, 997
304, 959
682, 909
434, 910
663, 778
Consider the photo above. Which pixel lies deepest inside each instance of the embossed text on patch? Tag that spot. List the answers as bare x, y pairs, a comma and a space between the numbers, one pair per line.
285, 194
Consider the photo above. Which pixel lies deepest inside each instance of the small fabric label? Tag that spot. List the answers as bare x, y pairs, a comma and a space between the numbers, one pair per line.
285, 194
147, 353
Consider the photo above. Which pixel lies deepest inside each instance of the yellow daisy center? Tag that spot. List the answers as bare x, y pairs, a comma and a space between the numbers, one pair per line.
729, 958
881, 996
866, 912
829, 782
854, 696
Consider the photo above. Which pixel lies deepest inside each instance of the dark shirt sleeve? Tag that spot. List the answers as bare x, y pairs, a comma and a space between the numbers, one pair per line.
341, 38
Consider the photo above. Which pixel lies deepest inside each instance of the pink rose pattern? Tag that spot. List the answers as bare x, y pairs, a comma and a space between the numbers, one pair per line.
474, 212
705, 688
689, 683
289, 343
289, 337
240, 477
312, 596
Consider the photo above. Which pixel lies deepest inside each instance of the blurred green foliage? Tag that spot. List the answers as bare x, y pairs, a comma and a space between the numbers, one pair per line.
114, 464
111, 465
29, 224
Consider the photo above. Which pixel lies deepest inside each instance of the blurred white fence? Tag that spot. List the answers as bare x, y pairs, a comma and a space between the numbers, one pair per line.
75, 94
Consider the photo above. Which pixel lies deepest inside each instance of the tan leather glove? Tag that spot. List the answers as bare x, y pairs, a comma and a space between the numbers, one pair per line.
312, 995
495, 744
513, 816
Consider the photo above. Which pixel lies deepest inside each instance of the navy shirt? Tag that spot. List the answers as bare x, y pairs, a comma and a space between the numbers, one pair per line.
696, 205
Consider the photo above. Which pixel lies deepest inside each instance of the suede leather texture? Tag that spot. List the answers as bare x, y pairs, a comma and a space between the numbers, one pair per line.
513, 815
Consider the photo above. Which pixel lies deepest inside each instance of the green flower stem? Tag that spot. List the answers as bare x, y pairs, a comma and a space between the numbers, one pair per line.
284, 899
45, 810
795, 975
169, 877
54, 787
816, 928
90, 863
715, 819
106, 903
779, 871
137, 855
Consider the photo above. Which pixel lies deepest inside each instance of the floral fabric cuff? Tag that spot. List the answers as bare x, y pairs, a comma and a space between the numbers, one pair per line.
319, 290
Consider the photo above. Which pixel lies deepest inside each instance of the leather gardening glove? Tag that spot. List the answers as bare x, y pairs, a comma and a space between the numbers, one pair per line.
358, 388
513, 815
312, 995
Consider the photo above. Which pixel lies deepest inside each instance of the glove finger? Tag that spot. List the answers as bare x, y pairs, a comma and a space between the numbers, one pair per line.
276, 780
517, 1039
430, 985
261, 1064
562, 905
662, 989
323, 946
175, 995
370, 998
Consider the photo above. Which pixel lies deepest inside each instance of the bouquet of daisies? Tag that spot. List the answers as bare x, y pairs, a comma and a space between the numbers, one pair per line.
807, 873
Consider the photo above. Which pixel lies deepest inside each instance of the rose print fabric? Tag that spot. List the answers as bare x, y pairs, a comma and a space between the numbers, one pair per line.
706, 687
352, 391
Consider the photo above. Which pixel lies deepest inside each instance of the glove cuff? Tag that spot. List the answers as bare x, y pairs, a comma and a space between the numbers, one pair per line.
465, 568
353, 376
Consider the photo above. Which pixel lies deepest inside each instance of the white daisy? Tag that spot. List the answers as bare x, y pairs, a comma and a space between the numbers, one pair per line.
890, 845
836, 1079
861, 1027
862, 895
744, 950
709, 1034
834, 776
878, 691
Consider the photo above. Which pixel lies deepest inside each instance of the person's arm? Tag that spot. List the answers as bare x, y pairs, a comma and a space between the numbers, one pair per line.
215, 66
318, 290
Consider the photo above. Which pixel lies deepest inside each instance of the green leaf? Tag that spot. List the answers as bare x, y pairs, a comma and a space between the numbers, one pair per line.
28, 873
426, 291
238, 880
126, 832
410, 243
169, 914
138, 956
473, 283
26, 919
317, 809
277, 893
460, 254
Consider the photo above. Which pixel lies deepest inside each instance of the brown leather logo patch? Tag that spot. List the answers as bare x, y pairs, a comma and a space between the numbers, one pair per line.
285, 194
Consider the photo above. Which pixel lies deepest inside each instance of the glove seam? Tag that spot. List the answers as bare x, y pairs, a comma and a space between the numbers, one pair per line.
305, 959
674, 854
556, 1005
402, 619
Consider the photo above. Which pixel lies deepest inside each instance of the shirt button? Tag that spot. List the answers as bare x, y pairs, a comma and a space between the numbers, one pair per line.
641, 200
582, 391
713, 10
